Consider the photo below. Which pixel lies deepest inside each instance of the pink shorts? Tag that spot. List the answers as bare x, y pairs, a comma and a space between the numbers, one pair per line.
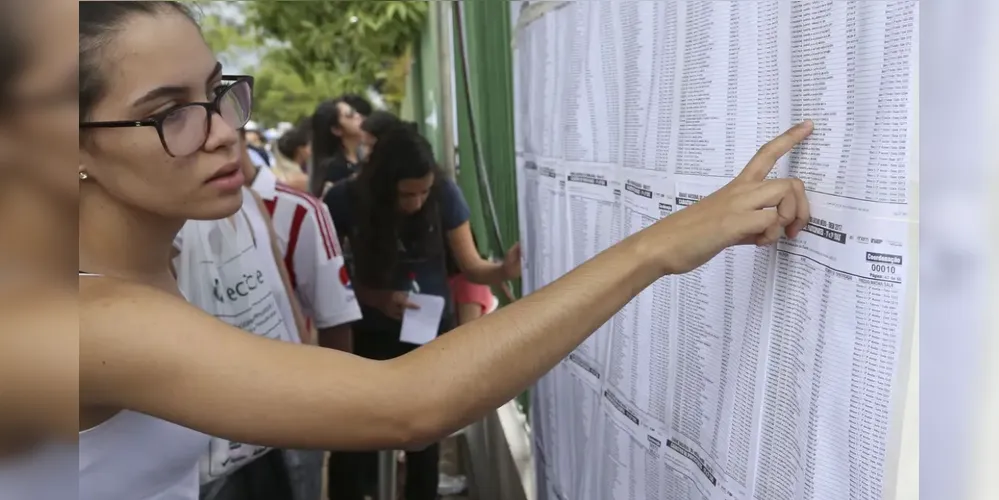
466, 292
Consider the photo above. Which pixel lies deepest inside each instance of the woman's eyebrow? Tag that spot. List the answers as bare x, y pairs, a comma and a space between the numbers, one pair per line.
173, 90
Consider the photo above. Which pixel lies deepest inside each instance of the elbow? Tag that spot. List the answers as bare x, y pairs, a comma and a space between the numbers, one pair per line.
418, 418
418, 433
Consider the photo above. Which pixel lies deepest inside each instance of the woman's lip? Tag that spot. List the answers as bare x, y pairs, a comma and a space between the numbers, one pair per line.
228, 182
225, 171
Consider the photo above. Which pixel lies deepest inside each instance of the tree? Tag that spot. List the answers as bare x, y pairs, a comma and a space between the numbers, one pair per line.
280, 94
357, 44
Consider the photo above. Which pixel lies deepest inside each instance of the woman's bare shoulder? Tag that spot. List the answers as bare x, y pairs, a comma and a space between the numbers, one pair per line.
103, 296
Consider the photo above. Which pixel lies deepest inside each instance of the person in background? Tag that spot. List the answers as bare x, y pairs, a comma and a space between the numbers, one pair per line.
310, 249
376, 125
360, 104
311, 253
403, 218
238, 259
292, 156
256, 145
336, 144
472, 300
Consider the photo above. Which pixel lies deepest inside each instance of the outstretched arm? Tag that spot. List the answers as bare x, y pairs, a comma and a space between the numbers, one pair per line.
189, 368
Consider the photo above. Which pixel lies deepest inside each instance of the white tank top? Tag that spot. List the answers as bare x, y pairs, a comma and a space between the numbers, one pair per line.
48, 471
137, 457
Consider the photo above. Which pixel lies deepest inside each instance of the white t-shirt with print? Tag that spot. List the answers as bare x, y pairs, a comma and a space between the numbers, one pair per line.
223, 269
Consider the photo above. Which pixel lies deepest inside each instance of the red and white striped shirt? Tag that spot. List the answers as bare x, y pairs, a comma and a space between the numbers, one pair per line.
311, 250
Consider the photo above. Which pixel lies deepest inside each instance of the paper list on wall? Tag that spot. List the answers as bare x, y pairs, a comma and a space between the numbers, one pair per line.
761, 375
527, 206
732, 83
594, 196
852, 75
836, 332
648, 54
553, 230
550, 441
640, 348
719, 355
635, 462
592, 111
581, 398
543, 136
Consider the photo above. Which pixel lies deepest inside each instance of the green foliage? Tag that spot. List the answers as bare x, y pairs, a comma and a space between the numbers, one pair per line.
358, 43
310, 51
280, 94
225, 35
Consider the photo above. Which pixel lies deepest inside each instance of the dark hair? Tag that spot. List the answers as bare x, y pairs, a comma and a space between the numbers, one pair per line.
325, 145
401, 153
360, 104
291, 141
99, 21
379, 123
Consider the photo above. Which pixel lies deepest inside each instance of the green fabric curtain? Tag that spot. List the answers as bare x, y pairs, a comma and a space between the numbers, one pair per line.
486, 26
487, 31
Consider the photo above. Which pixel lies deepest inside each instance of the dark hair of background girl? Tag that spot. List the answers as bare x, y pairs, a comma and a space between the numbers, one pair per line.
401, 153
360, 104
291, 141
99, 22
379, 123
325, 145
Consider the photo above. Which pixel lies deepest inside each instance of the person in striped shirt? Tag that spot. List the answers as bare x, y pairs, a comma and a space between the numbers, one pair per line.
311, 251
312, 254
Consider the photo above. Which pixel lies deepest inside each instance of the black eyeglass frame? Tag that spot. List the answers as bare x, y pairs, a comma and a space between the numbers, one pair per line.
214, 107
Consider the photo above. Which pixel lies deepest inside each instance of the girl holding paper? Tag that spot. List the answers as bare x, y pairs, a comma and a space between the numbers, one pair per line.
402, 219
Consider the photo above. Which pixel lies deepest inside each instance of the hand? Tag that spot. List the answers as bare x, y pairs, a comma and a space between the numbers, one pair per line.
395, 305
511, 262
749, 210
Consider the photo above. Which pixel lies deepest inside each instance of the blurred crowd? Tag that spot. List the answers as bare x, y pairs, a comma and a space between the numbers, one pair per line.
362, 218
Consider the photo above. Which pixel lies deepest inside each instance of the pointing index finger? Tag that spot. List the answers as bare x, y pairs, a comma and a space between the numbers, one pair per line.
764, 160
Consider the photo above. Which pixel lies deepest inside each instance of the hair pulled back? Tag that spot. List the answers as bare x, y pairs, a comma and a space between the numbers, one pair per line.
99, 23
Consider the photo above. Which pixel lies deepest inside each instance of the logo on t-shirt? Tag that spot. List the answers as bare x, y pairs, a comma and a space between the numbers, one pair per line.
345, 278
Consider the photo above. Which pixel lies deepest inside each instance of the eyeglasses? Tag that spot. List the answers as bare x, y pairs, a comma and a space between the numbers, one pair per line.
185, 129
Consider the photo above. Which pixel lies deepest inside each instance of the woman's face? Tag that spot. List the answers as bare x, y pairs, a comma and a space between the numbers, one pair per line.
350, 121
38, 130
413, 193
153, 64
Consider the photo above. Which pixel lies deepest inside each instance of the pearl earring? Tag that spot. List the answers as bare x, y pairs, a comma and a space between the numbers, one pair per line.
83, 176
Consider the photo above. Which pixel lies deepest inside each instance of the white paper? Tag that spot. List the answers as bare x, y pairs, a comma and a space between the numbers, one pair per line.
836, 338
722, 333
768, 373
420, 326
594, 197
640, 345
